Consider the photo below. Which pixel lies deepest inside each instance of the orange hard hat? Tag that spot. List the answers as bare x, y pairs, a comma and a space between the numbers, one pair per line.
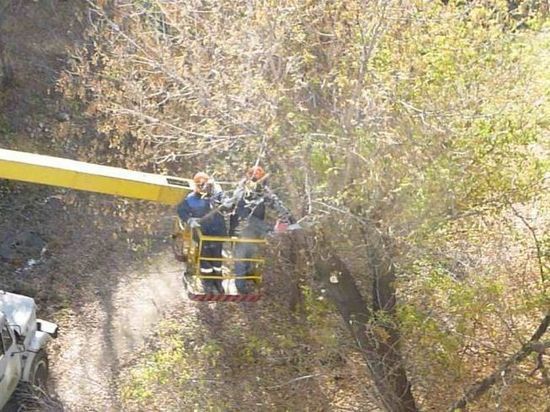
256, 172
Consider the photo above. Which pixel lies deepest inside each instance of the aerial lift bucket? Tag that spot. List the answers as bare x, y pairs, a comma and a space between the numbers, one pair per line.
188, 244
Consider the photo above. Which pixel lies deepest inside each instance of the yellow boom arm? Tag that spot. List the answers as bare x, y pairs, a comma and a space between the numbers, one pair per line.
72, 174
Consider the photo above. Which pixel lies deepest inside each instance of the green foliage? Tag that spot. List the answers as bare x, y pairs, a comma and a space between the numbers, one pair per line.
429, 120
143, 382
236, 364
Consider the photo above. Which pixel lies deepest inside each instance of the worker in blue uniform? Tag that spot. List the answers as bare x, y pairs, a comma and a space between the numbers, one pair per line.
200, 210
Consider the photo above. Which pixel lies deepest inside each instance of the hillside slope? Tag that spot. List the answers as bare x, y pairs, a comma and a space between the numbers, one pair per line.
85, 271
99, 266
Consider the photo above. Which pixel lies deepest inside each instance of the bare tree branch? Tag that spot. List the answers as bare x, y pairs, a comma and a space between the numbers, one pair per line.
480, 387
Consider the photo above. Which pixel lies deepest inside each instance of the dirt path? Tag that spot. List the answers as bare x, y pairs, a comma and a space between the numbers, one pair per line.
95, 343
109, 317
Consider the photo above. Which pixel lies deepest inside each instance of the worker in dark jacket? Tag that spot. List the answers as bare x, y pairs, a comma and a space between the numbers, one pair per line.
199, 210
250, 199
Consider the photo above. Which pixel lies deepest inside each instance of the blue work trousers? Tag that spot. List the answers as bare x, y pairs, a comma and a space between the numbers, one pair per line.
210, 267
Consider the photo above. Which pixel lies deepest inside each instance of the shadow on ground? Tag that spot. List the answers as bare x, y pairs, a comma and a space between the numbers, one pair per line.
78, 259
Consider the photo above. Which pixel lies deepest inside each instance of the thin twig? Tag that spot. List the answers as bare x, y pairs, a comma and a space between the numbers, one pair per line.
301, 378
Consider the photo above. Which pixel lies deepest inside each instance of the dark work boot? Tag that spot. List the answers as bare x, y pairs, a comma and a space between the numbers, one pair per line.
243, 287
219, 287
209, 288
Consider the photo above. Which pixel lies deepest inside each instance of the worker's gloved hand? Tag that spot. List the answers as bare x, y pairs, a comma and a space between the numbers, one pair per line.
194, 223
281, 226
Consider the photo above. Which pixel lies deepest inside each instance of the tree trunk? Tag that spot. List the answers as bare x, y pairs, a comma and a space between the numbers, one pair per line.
373, 329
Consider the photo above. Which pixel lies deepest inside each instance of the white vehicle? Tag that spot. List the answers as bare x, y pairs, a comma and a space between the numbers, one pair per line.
22, 344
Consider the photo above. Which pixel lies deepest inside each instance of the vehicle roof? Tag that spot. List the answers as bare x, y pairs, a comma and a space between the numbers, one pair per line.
18, 309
